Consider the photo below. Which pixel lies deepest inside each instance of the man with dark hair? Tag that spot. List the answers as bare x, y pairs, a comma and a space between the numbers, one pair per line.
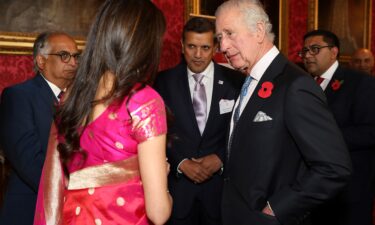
200, 94
26, 114
351, 96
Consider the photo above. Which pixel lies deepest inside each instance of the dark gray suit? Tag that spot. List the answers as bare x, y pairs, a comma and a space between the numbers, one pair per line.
353, 106
296, 161
26, 114
173, 86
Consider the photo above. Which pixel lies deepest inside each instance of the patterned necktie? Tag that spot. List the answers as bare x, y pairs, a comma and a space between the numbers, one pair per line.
245, 86
61, 94
319, 80
200, 101
236, 115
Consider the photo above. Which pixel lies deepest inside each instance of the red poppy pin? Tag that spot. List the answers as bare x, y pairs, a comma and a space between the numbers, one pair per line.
336, 84
266, 90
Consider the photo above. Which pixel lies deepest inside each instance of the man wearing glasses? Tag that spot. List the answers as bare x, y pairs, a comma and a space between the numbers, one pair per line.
351, 96
26, 114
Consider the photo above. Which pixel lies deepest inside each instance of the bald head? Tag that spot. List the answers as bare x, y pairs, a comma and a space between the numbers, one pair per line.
363, 60
56, 57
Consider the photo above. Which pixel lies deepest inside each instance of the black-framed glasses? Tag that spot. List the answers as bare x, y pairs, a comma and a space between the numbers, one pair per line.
313, 50
65, 56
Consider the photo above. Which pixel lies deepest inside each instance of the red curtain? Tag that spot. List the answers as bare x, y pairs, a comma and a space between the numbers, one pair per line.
174, 13
15, 69
297, 27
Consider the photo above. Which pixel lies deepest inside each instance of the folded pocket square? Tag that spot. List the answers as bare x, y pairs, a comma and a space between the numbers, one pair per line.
261, 117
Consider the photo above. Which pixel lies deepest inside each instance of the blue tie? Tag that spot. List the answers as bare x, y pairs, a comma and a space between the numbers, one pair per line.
236, 115
244, 88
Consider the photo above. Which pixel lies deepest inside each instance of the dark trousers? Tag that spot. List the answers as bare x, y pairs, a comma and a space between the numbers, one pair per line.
197, 216
356, 213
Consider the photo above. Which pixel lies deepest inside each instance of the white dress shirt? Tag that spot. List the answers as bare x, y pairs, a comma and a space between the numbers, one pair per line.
328, 75
56, 90
208, 81
256, 73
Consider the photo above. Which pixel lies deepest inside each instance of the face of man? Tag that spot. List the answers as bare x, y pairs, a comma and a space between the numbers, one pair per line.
198, 50
319, 62
52, 66
241, 47
363, 60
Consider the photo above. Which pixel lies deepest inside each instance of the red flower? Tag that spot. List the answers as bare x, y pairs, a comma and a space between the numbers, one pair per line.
266, 90
336, 84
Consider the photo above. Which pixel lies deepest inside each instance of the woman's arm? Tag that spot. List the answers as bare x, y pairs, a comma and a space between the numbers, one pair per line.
154, 171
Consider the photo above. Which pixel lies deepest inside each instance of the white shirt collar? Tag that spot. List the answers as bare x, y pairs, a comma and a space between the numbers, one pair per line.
261, 66
331, 70
56, 90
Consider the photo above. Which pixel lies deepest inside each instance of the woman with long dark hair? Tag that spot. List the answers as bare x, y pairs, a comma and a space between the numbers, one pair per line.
110, 132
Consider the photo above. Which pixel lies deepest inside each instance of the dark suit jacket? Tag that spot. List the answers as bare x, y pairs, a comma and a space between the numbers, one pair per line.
353, 106
295, 161
173, 86
26, 114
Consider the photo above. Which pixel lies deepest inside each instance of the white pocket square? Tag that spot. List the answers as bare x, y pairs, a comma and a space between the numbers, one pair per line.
261, 117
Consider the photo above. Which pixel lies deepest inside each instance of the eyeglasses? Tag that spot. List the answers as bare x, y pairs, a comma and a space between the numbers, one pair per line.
65, 56
313, 50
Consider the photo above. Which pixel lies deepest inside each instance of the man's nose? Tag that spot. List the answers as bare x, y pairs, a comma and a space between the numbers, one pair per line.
223, 45
198, 53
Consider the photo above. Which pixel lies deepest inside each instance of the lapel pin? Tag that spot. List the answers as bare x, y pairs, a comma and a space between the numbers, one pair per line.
221, 82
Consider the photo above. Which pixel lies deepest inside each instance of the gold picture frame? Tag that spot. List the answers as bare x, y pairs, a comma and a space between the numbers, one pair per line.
22, 20
193, 9
17, 43
352, 25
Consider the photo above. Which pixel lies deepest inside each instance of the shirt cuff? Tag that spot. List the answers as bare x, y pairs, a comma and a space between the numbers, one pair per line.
179, 172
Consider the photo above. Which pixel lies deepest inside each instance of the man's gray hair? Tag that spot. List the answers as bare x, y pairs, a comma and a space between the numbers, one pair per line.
253, 12
42, 46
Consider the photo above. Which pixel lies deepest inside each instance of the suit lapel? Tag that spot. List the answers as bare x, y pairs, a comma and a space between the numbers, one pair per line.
255, 102
47, 95
329, 92
184, 89
218, 90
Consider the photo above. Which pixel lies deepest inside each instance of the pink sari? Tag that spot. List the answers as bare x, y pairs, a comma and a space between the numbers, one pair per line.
106, 188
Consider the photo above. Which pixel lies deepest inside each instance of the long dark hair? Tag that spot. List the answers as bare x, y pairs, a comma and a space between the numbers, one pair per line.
124, 39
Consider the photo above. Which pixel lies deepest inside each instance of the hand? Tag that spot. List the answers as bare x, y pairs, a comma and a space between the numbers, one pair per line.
211, 163
194, 171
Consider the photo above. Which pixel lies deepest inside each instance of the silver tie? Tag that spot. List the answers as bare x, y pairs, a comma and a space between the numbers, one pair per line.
200, 102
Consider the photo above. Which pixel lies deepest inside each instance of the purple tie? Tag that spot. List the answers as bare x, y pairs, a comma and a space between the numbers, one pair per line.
200, 101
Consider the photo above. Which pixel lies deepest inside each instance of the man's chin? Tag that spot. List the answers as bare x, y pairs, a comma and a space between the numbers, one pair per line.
69, 75
242, 68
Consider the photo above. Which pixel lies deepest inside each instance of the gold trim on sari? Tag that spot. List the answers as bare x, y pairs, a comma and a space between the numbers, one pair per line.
52, 184
105, 174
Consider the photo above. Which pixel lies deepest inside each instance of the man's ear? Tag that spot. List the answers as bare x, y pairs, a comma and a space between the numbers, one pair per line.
260, 31
335, 52
41, 61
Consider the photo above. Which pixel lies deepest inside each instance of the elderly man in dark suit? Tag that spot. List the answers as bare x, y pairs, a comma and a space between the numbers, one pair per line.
286, 154
26, 114
351, 96
200, 95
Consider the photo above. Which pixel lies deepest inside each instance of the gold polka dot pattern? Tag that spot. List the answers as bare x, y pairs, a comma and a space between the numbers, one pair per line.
120, 201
